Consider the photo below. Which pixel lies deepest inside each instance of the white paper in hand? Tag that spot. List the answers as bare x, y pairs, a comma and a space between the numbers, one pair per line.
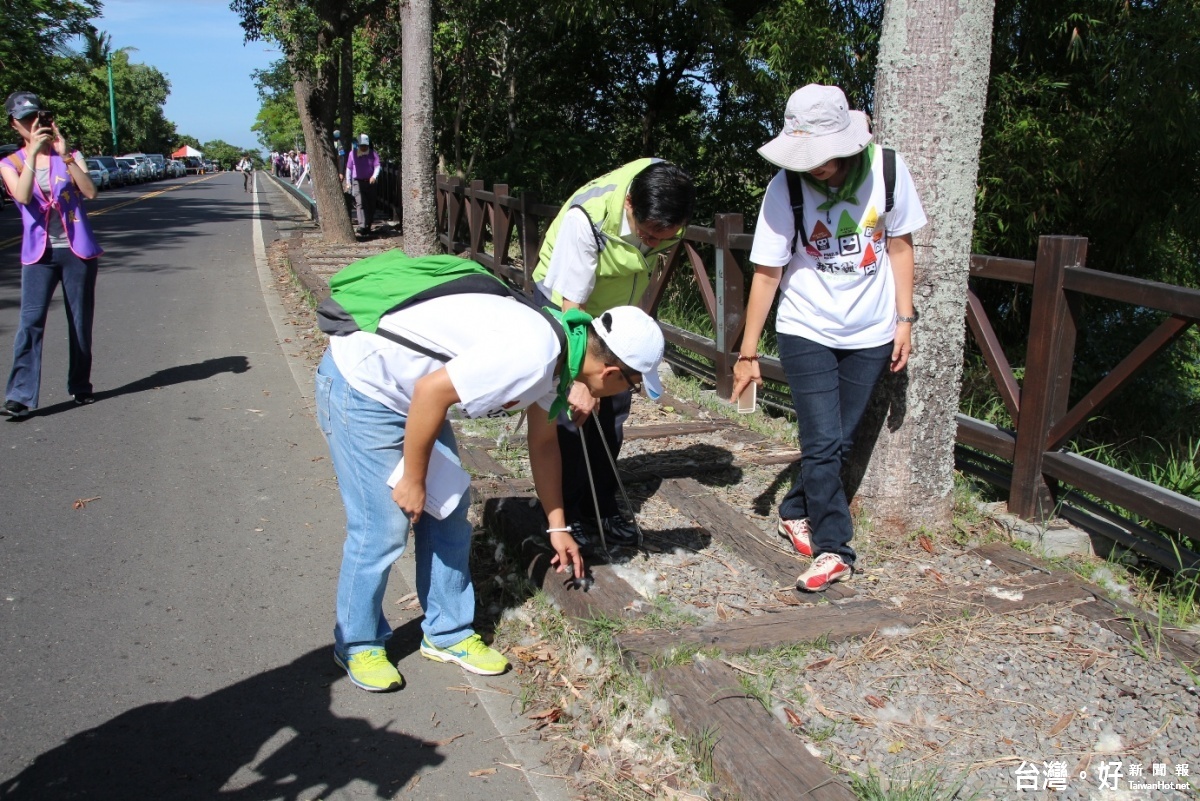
445, 482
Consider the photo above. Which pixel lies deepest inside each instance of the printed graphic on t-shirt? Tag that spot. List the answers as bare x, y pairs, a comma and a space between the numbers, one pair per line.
852, 249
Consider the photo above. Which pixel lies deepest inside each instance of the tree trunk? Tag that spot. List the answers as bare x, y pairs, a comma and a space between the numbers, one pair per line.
417, 198
930, 91
346, 99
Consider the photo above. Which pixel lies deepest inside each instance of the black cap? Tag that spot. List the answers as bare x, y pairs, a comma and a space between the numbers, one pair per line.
20, 105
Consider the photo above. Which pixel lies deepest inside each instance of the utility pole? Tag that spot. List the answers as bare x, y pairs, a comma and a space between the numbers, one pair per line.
112, 105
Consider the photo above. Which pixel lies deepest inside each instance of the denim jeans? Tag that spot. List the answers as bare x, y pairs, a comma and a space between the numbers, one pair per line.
38, 281
366, 441
830, 392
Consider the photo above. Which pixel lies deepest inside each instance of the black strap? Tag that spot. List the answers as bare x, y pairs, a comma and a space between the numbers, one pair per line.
515, 294
795, 185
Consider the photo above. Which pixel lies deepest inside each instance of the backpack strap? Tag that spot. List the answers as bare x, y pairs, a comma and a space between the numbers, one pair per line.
795, 186
16, 161
796, 194
889, 178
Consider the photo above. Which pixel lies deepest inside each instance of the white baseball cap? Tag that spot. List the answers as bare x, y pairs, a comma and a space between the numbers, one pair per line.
364, 140
635, 338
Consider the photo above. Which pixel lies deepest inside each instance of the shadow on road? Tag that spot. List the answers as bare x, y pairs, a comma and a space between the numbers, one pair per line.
269, 737
163, 378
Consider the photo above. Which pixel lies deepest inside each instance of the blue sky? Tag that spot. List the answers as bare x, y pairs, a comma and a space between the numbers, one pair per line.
197, 44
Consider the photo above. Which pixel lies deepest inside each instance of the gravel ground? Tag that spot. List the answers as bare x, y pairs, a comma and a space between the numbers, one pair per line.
983, 700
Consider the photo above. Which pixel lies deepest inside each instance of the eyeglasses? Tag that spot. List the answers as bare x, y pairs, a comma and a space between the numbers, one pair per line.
652, 235
636, 386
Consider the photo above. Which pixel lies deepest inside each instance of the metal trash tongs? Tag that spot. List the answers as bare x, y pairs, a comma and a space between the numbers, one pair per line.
587, 462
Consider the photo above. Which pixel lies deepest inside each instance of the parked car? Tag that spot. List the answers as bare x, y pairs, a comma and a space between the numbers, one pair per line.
99, 174
116, 176
175, 169
193, 165
136, 173
145, 165
159, 162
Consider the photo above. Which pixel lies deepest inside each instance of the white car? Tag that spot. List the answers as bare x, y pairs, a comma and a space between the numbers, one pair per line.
99, 174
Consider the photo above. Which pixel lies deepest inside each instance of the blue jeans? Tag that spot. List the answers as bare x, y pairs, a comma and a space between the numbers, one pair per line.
38, 281
830, 392
366, 441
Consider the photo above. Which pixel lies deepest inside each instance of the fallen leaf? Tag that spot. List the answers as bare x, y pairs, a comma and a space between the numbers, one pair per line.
1040, 630
875, 701
793, 718
896, 747
933, 574
440, 743
482, 772
1091, 660
406, 598
722, 611
83, 502
552, 713
826, 662
1063, 721
925, 543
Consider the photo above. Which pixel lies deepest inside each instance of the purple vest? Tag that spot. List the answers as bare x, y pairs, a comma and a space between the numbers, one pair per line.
67, 202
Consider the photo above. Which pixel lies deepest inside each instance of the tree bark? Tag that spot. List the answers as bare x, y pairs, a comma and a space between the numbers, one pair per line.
419, 212
930, 91
315, 98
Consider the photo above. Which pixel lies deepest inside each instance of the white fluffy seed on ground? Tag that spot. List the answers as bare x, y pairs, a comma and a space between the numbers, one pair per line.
1109, 742
657, 712
1005, 595
585, 661
896, 631
518, 613
644, 582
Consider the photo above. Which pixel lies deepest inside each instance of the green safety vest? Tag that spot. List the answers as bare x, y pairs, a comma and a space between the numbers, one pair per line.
622, 272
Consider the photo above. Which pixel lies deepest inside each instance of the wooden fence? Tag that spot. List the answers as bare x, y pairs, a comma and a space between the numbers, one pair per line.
503, 232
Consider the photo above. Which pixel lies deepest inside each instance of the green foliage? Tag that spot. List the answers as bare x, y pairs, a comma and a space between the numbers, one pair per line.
278, 122
33, 44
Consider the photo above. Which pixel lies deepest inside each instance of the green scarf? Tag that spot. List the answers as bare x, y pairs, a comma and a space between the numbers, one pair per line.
854, 180
576, 323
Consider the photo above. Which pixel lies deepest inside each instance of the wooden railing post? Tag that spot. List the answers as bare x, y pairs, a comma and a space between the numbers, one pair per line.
454, 212
731, 300
501, 228
1047, 381
476, 216
531, 243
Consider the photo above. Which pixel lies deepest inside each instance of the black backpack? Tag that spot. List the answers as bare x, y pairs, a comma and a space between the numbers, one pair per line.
796, 193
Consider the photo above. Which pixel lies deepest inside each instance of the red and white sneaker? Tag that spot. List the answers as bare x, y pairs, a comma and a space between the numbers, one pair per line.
826, 569
799, 533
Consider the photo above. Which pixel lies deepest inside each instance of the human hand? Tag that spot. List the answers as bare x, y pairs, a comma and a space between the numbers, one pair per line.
372, 180
581, 403
901, 346
566, 553
409, 495
745, 372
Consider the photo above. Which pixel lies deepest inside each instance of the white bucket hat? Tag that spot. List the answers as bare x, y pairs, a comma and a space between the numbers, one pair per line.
635, 338
818, 125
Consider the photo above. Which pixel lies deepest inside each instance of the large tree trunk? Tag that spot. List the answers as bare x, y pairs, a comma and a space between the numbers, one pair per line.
345, 121
930, 91
417, 198
315, 103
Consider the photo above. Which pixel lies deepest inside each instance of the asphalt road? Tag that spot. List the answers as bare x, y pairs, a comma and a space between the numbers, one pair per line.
172, 638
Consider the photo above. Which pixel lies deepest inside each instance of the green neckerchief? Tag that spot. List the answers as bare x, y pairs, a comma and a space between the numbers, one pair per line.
852, 183
575, 322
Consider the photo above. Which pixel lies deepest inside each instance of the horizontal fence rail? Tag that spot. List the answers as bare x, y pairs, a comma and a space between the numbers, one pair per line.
504, 233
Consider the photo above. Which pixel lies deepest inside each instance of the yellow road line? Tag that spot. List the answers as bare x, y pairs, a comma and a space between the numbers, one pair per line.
16, 239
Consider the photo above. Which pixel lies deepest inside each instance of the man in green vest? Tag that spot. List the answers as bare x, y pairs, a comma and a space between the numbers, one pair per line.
598, 254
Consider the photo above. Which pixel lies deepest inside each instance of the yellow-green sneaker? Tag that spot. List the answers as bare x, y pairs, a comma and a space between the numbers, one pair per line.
371, 670
471, 654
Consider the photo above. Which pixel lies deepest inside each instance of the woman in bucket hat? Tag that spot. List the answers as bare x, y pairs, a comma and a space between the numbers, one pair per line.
49, 181
835, 239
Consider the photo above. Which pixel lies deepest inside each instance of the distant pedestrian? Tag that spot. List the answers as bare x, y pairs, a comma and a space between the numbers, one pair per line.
246, 166
304, 174
48, 181
362, 170
836, 242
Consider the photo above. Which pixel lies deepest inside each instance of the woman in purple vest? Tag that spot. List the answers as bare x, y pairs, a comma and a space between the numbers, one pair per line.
48, 181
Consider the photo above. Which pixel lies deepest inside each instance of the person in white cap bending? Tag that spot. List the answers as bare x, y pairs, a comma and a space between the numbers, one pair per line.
834, 236
362, 170
379, 400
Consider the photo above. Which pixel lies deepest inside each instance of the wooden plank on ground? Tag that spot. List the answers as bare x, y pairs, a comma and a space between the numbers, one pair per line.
663, 430
484, 488
769, 630
752, 752
1017, 596
480, 463
1142, 629
1009, 559
523, 528
733, 531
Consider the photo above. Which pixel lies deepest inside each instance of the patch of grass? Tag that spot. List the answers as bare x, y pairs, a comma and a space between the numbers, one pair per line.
929, 785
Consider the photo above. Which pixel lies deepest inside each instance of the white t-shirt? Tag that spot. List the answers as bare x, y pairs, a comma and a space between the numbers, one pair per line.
503, 354
841, 292
572, 269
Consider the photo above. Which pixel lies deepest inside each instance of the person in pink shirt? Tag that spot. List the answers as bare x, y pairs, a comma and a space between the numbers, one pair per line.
362, 170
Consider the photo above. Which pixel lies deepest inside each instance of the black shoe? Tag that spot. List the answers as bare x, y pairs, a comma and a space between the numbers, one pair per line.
14, 409
84, 398
619, 531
